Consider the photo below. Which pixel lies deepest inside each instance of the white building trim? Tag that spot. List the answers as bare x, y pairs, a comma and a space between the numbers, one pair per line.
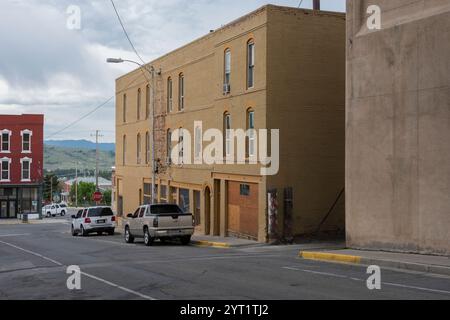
4, 159
30, 133
9, 132
30, 161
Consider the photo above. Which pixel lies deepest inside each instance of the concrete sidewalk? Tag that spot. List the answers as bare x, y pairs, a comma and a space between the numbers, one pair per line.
10, 222
412, 262
222, 242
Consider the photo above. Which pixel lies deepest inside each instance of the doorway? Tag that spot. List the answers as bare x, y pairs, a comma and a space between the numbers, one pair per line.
207, 211
8, 209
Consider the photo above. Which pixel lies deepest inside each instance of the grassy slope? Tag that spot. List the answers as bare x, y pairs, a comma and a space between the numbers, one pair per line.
65, 158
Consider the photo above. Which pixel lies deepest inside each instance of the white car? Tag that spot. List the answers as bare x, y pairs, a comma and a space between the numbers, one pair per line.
54, 210
93, 220
49, 211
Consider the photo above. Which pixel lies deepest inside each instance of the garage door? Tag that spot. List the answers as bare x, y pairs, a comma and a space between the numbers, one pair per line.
243, 209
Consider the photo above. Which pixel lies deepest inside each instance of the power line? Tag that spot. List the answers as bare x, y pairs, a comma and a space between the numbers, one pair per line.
300, 4
126, 33
91, 112
80, 119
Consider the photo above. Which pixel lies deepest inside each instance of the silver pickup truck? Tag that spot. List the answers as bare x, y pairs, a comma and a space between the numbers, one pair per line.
159, 221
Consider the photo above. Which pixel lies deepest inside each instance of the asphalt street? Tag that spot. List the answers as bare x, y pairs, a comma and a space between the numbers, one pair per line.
34, 260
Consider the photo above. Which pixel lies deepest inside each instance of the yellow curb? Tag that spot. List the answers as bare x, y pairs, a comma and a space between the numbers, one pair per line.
221, 245
324, 256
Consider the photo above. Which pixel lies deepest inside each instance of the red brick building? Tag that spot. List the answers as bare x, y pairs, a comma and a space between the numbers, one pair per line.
21, 165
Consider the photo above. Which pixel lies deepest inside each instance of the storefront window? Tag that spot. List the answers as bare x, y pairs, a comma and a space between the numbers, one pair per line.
29, 203
184, 200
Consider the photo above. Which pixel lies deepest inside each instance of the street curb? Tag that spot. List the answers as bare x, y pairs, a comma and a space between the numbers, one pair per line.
324, 256
340, 258
201, 243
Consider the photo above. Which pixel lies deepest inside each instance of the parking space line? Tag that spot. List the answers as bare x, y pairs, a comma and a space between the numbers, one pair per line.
32, 253
84, 273
14, 235
357, 279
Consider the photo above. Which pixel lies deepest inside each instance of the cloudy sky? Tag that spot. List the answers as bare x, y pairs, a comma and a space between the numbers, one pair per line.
48, 68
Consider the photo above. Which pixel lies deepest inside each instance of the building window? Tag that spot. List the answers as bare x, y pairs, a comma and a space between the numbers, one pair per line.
5, 168
147, 102
6, 137
245, 190
169, 147
198, 143
227, 72
184, 201
227, 133
169, 95
251, 143
124, 150
26, 167
163, 194
147, 193
250, 64
138, 109
26, 141
147, 148
29, 200
181, 145
138, 148
124, 108
181, 93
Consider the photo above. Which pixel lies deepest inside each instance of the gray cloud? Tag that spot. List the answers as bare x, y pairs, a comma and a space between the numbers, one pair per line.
44, 67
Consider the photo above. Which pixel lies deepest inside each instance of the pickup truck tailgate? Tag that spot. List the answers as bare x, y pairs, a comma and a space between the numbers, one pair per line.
175, 221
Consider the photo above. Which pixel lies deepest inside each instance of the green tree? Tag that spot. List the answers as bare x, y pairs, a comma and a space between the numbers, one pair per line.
51, 184
85, 192
107, 197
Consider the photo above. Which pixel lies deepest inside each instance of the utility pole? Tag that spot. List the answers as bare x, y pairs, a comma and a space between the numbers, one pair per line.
51, 189
96, 158
76, 185
153, 136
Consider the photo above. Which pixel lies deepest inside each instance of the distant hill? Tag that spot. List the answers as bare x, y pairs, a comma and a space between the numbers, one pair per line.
80, 144
60, 158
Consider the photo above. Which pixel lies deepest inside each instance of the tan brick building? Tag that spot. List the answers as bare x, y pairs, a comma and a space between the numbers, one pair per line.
275, 68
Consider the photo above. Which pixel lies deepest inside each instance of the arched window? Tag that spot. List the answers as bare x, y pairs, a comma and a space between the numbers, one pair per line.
169, 146
147, 148
138, 109
169, 95
138, 148
251, 138
181, 92
227, 72
124, 150
250, 64
124, 108
227, 133
147, 102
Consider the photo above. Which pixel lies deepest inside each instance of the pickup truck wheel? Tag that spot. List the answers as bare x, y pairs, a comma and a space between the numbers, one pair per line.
185, 240
63, 213
148, 240
128, 237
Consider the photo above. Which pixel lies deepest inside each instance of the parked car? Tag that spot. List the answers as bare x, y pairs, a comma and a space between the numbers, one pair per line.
49, 211
53, 210
159, 221
61, 209
93, 220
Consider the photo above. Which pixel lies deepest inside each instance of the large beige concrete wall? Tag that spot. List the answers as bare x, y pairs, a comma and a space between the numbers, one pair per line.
306, 101
398, 127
